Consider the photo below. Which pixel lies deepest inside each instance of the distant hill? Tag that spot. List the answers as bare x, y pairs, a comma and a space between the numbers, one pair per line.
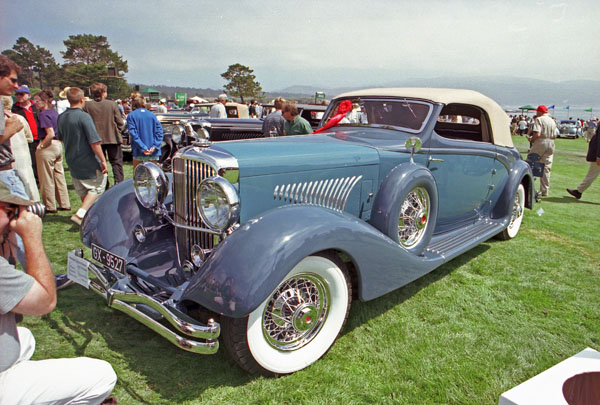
507, 91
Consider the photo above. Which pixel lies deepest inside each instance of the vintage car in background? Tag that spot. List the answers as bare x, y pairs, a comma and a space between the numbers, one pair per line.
264, 243
569, 129
233, 110
173, 119
313, 113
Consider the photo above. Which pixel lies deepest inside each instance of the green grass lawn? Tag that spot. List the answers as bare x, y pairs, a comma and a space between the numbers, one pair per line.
470, 330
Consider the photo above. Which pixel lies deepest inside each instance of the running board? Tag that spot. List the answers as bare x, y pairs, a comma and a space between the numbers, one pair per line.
457, 242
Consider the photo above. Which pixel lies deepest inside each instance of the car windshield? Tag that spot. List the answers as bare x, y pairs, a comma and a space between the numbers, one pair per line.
410, 115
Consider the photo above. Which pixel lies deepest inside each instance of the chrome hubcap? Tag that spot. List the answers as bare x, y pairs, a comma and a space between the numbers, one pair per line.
517, 210
414, 216
296, 312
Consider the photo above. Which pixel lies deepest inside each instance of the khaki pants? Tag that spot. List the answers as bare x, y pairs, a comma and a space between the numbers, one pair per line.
591, 175
545, 148
589, 133
53, 185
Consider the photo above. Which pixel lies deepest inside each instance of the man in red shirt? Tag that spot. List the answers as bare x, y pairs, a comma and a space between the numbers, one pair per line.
25, 107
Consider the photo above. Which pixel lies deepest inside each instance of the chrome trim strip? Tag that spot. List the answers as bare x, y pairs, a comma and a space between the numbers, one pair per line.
328, 193
345, 196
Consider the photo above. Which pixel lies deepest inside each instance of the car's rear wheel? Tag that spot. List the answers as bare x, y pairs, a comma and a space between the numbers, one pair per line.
413, 219
516, 217
297, 324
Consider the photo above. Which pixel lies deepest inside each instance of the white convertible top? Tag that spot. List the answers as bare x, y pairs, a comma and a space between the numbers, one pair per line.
499, 120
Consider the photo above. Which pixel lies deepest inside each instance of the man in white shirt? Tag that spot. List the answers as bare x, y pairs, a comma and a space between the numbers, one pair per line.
218, 110
542, 142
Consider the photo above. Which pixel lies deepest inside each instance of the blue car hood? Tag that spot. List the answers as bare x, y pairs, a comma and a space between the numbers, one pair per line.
266, 156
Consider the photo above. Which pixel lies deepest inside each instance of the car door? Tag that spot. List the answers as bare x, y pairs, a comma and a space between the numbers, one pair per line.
463, 165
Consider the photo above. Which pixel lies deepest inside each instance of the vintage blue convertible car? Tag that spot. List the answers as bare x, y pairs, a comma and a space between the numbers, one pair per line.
264, 243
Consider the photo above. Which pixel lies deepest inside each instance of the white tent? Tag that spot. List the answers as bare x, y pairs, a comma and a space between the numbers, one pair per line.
199, 99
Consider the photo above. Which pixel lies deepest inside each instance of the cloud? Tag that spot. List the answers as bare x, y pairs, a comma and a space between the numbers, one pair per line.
303, 42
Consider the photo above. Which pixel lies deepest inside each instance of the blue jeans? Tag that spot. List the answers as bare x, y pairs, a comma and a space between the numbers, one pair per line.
16, 186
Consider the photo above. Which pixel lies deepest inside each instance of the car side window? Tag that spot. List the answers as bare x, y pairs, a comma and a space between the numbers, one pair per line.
464, 122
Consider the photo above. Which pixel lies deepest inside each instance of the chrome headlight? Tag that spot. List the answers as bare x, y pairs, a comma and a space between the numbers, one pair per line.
218, 203
176, 133
203, 134
150, 184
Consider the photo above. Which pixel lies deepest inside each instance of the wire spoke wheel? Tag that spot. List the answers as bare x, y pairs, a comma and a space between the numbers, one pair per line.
297, 323
296, 312
414, 217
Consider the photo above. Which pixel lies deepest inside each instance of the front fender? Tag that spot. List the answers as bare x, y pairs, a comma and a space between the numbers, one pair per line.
519, 173
249, 264
110, 222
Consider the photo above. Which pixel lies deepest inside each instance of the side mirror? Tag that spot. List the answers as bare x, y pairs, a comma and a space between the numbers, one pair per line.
414, 144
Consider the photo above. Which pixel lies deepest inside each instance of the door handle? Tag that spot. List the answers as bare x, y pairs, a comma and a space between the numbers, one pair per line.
432, 159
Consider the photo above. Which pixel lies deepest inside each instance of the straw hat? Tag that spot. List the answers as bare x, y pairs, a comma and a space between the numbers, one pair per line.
63, 93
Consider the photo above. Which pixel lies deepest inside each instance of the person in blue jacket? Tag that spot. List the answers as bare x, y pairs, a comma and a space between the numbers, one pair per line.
145, 132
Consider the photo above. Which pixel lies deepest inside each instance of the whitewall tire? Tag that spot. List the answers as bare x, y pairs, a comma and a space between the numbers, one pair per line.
297, 324
516, 217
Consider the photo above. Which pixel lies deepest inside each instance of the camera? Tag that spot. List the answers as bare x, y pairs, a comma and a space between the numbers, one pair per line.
36, 208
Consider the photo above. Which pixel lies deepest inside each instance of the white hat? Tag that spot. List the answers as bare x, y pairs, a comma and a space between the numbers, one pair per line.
222, 97
63, 92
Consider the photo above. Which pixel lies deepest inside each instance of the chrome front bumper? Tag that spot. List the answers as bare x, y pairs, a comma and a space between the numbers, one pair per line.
127, 301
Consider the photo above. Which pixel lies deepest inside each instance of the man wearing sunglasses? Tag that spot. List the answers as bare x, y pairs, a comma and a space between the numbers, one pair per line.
79, 380
8, 83
10, 125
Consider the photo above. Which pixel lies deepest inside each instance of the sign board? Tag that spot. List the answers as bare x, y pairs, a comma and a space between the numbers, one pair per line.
319, 97
181, 99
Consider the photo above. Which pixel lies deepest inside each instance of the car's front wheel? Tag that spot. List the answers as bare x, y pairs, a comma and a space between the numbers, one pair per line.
297, 323
516, 217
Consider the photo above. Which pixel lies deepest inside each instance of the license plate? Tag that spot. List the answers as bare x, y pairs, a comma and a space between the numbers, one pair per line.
108, 259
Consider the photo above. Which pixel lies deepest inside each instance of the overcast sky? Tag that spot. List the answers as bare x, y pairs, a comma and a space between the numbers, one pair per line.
322, 43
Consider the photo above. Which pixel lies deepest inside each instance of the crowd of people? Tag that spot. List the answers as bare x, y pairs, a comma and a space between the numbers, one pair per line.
522, 125
33, 133
33, 292
541, 130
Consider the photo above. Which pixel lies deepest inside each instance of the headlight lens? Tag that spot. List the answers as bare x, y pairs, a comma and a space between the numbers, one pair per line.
150, 184
217, 202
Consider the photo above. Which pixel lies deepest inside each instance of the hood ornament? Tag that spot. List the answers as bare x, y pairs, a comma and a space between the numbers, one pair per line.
201, 143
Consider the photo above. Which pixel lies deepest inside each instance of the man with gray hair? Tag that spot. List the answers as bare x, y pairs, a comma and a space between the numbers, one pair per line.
218, 110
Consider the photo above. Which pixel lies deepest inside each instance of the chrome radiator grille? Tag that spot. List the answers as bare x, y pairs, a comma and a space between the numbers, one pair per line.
187, 174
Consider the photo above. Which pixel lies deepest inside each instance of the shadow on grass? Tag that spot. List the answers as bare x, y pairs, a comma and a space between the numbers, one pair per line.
362, 312
568, 200
173, 374
60, 219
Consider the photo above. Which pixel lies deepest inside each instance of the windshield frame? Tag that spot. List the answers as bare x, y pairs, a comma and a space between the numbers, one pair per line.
329, 113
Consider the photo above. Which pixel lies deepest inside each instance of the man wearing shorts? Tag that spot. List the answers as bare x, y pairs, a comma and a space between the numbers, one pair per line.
83, 152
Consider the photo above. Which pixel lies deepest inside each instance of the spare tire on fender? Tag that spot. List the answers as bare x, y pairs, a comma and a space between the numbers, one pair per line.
406, 207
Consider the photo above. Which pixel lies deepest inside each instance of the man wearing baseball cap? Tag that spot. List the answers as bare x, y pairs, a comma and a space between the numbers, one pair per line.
26, 109
542, 142
22, 380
